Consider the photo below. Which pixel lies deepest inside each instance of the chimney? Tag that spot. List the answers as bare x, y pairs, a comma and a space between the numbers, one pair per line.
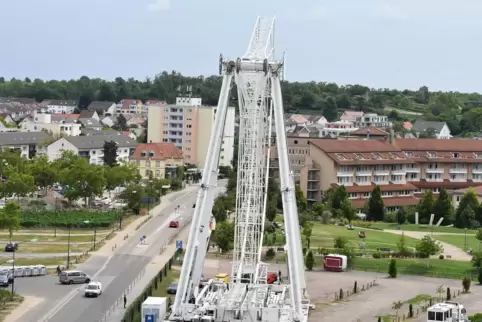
391, 137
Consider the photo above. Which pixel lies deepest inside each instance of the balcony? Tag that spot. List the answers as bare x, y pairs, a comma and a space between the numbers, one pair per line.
413, 170
363, 173
381, 172
458, 170
434, 179
477, 170
398, 172
344, 174
380, 182
458, 179
363, 183
434, 170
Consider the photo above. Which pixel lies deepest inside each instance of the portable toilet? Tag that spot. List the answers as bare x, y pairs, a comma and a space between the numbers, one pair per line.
27, 271
18, 272
154, 309
42, 270
439, 312
35, 271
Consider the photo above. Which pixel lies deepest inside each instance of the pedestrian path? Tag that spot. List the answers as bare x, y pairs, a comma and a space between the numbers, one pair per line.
116, 313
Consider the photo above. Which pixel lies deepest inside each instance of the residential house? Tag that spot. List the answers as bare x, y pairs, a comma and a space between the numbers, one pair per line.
87, 132
371, 132
157, 160
7, 124
92, 147
372, 120
350, 116
188, 124
16, 113
55, 124
109, 121
129, 106
87, 114
59, 106
439, 129
6, 118
91, 124
105, 108
19, 100
28, 144
337, 128
130, 134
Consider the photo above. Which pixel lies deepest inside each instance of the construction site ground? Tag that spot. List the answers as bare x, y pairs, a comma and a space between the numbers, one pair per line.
367, 305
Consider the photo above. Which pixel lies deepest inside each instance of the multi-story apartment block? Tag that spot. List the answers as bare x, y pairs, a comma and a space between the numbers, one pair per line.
145, 107
57, 124
59, 106
403, 168
188, 125
92, 147
337, 128
371, 119
28, 144
157, 160
130, 106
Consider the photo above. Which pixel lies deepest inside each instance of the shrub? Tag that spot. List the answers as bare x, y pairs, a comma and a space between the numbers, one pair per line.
309, 261
270, 253
466, 284
441, 256
65, 218
377, 255
390, 217
449, 294
392, 269
325, 217
340, 242
480, 276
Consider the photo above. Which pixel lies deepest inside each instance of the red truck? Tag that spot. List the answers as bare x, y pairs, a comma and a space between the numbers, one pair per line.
335, 263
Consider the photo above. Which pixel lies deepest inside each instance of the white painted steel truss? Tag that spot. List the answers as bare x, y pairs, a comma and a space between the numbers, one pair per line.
247, 297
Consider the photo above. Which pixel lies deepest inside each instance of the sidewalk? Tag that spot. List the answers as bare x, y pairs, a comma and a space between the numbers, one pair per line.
116, 313
130, 230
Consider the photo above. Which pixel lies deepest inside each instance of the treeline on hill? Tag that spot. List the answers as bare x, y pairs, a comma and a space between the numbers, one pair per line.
461, 111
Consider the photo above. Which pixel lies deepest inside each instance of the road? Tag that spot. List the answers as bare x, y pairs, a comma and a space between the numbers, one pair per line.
66, 303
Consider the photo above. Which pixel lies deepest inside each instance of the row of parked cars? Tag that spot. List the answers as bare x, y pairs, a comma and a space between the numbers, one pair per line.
8, 273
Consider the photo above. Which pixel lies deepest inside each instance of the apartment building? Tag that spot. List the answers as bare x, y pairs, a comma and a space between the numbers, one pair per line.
372, 119
188, 124
59, 106
92, 147
157, 160
57, 124
129, 106
403, 168
28, 144
337, 128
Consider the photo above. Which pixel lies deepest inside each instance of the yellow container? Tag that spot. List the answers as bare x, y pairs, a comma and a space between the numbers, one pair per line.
222, 277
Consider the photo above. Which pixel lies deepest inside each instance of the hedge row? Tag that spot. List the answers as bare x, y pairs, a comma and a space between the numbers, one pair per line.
66, 218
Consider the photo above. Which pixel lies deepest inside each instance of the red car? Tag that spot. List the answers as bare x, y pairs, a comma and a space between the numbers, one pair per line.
174, 224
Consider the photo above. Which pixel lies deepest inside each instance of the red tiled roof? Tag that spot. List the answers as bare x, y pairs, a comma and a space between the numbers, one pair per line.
352, 146
161, 151
477, 189
447, 184
68, 116
388, 187
388, 202
436, 145
371, 129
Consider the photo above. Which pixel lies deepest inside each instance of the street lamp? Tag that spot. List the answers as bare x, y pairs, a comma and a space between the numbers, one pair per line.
465, 239
68, 247
95, 231
13, 262
149, 196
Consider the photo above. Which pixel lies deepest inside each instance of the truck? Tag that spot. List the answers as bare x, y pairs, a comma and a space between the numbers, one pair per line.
335, 263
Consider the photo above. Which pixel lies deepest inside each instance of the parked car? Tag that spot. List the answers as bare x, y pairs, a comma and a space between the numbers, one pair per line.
11, 247
172, 289
174, 224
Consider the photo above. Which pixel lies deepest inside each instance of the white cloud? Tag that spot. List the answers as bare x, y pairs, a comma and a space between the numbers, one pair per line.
159, 5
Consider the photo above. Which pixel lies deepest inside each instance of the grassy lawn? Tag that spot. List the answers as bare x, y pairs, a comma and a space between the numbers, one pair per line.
34, 231
52, 248
324, 235
459, 241
423, 267
47, 261
42, 238
413, 227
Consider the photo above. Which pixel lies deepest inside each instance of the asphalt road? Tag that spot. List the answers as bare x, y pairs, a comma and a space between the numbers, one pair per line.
67, 303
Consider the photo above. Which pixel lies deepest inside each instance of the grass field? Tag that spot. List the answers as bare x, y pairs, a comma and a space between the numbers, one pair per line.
52, 248
324, 235
424, 228
459, 241
47, 261
422, 267
43, 238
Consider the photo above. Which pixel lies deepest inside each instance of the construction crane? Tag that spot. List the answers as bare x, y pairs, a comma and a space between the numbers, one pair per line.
247, 296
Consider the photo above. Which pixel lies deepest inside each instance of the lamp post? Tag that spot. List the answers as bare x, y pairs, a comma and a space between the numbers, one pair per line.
13, 262
95, 231
149, 186
465, 239
68, 248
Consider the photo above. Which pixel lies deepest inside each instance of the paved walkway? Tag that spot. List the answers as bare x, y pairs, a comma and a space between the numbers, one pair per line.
117, 313
449, 249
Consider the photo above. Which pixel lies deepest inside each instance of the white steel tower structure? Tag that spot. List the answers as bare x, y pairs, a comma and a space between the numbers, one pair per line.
247, 297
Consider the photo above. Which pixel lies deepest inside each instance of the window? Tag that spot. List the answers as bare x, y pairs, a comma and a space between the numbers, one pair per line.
158, 164
165, 132
158, 173
189, 126
188, 133
456, 155
165, 124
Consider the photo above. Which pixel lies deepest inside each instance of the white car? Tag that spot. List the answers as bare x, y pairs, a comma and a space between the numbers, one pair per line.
93, 289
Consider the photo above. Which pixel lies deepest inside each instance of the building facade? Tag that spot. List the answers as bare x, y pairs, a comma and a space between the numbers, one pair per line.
28, 145
56, 124
188, 125
157, 160
59, 106
372, 120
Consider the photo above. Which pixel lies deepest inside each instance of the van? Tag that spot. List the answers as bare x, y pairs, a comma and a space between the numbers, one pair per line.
223, 277
71, 277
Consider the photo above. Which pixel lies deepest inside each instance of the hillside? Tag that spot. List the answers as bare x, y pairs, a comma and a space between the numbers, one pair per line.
459, 110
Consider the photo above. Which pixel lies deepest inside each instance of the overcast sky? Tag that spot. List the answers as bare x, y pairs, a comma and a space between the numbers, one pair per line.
378, 43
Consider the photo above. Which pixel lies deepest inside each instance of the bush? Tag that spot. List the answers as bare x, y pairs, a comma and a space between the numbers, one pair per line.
377, 255
392, 269
270, 253
309, 261
441, 256
449, 294
340, 242
390, 217
466, 284
480, 276
65, 218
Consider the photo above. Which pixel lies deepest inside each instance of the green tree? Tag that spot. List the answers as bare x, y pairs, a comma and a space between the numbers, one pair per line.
349, 212
132, 197
443, 207
468, 200
83, 180
392, 268
329, 109
121, 123
220, 209
309, 261
223, 236
427, 247
467, 218
338, 197
307, 231
44, 173
20, 184
110, 153
376, 208
10, 218
301, 201
271, 210
425, 207
340, 243
476, 317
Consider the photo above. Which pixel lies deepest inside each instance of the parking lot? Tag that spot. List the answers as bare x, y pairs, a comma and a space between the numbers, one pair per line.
322, 287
